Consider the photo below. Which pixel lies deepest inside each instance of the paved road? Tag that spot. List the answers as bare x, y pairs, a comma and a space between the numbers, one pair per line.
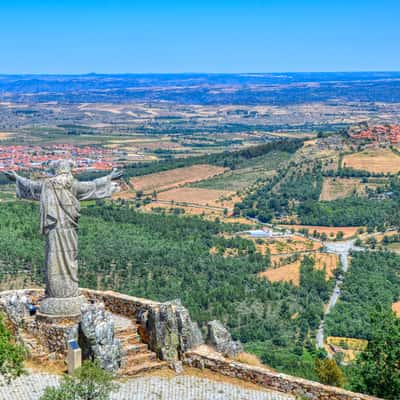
31, 387
342, 249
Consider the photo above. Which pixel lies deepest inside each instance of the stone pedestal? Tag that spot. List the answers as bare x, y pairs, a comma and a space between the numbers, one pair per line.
55, 334
61, 307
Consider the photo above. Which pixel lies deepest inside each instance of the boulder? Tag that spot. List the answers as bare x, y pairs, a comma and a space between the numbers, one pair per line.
189, 332
220, 338
97, 337
170, 330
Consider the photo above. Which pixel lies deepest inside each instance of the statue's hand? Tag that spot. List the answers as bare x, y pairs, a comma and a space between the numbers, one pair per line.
11, 175
116, 174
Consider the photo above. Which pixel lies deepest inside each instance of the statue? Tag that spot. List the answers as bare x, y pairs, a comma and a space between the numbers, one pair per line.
59, 197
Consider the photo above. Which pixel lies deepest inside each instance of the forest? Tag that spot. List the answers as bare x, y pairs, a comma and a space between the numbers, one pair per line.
294, 193
282, 193
228, 159
372, 282
163, 257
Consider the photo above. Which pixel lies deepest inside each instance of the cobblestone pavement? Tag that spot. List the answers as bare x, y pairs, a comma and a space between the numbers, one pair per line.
30, 387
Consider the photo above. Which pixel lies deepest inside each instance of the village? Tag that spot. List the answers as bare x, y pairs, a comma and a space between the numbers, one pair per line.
86, 158
383, 134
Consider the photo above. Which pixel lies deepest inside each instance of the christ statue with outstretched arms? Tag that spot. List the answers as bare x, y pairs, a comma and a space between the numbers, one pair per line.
59, 197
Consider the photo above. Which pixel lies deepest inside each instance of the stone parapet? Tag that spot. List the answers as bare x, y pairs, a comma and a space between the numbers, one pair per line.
119, 303
271, 380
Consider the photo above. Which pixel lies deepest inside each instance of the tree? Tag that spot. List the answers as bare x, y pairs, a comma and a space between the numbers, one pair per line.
339, 235
12, 355
89, 382
329, 372
378, 369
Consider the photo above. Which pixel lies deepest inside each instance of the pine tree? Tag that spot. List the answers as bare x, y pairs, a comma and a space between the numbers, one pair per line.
378, 367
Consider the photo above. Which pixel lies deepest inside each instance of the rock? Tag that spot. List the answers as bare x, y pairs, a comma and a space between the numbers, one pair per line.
170, 330
16, 307
163, 331
97, 337
189, 332
177, 366
220, 338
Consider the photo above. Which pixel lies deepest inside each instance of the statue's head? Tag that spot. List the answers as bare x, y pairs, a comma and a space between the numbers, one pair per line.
60, 167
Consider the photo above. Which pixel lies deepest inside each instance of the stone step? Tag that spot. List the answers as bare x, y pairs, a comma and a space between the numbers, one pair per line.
139, 358
123, 330
35, 349
129, 349
142, 368
129, 339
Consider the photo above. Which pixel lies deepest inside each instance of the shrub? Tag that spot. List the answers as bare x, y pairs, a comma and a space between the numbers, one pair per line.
89, 382
12, 355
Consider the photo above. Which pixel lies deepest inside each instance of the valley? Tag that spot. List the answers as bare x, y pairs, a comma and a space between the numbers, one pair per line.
246, 199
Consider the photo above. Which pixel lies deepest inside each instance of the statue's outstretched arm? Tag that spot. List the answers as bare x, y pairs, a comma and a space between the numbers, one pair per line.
11, 175
99, 188
116, 174
26, 188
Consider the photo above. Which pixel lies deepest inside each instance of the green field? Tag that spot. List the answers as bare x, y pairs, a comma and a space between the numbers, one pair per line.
247, 172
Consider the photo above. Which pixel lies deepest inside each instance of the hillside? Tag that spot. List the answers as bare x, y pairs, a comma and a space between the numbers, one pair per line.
195, 229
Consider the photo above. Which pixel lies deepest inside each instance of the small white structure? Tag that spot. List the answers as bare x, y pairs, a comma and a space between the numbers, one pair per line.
74, 356
266, 233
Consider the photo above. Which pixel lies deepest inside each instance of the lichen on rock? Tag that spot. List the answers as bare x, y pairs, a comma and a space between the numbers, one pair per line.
220, 338
97, 337
170, 330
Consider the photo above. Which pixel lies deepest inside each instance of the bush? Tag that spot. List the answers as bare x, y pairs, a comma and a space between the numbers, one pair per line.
89, 382
12, 355
377, 369
329, 372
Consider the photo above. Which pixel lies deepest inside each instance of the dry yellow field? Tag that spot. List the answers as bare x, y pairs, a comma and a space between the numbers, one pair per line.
396, 308
348, 231
188, 210
336, 188
175, 177
291, 272
354, 346
288, 273
286, 245
205, 197
376, 160
240, 220
6, 135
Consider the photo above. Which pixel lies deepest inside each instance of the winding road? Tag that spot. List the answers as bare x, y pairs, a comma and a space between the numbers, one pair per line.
342, 249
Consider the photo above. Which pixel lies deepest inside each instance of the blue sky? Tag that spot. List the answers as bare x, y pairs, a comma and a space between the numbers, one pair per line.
198, 36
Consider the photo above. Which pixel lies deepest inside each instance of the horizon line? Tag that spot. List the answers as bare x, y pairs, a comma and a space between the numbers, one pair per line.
195, 73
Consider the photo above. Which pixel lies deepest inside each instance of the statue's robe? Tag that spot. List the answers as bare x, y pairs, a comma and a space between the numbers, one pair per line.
59, 216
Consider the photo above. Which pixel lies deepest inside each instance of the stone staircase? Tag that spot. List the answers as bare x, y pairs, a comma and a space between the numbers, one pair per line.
136, 356
35, 350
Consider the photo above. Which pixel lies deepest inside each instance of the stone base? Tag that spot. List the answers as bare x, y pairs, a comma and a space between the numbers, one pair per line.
61, 308
53, 334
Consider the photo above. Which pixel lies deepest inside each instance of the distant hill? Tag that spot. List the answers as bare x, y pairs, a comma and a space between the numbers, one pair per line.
269, 88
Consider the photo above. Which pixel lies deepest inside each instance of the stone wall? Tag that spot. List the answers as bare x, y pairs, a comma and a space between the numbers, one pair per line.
119, 303
271, 380
51, 335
